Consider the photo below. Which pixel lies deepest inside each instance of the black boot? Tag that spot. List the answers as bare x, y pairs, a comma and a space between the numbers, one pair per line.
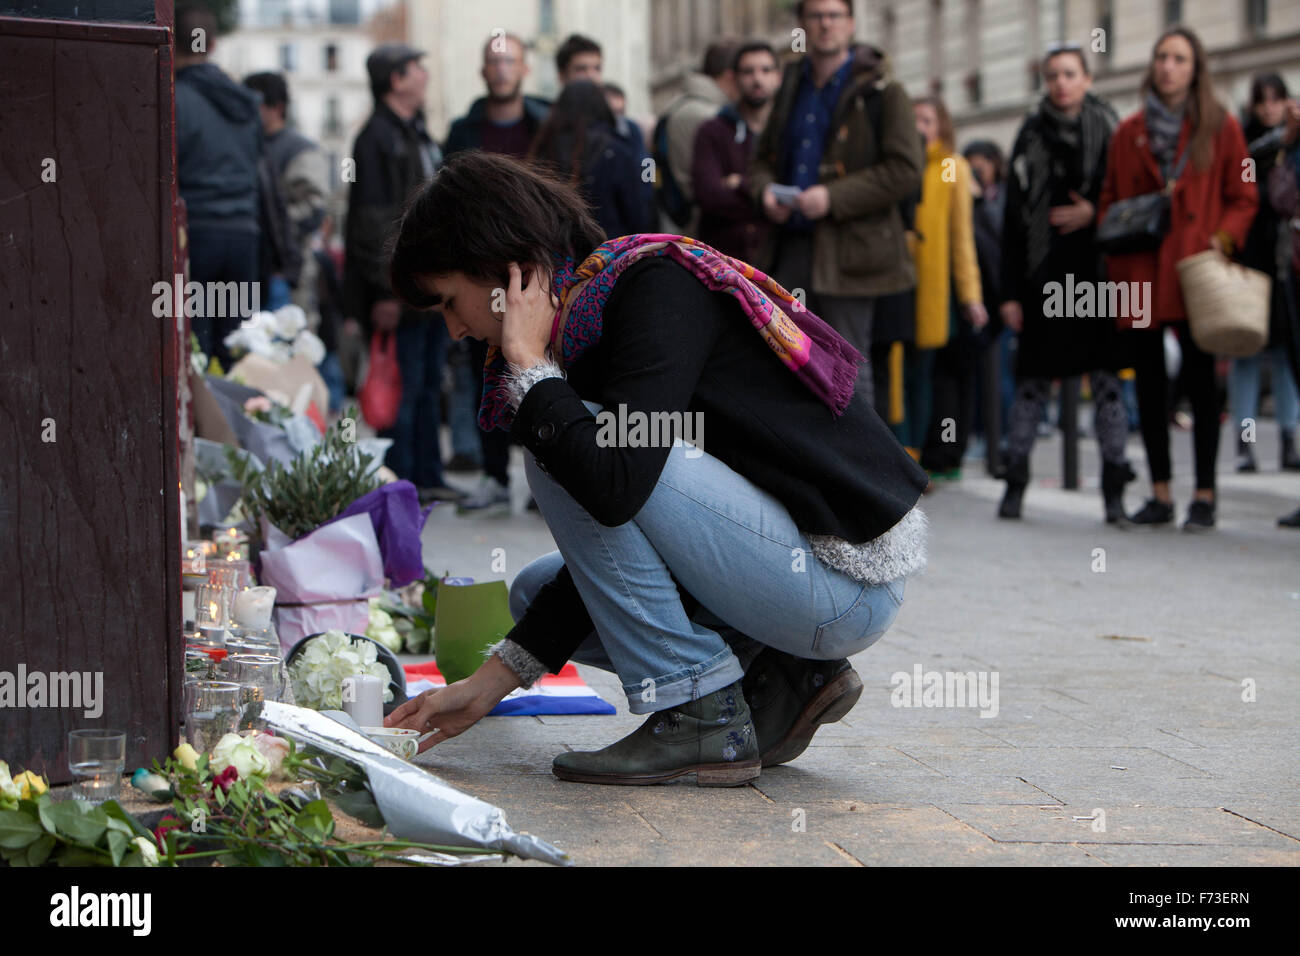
1290, 460
1245, 457
1113, 479
1017, 477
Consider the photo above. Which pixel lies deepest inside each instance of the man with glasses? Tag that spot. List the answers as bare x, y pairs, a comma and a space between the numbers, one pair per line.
839, 153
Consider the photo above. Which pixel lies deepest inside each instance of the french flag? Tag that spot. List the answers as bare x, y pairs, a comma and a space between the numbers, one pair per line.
562, 693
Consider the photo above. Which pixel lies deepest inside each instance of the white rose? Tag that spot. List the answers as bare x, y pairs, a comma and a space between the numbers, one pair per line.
309, 346
235, 751
148, 850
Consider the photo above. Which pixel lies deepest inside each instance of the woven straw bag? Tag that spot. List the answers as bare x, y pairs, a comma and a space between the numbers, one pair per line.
1227, 304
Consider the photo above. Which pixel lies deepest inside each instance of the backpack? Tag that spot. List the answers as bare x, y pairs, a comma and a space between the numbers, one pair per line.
907, 205
668, 192
280, 250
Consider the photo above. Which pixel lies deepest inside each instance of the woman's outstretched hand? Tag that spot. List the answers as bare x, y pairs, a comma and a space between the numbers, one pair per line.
452, 710
526, 327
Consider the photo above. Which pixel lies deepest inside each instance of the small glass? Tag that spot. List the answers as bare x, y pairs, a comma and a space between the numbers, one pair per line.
211, 711
97, 759
227, 574
212, 605
261, 676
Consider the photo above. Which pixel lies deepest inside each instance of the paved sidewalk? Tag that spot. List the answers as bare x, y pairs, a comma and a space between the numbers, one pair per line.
1121, 735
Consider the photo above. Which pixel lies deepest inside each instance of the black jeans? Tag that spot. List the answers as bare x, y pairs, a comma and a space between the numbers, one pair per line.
1197, 376
220, 255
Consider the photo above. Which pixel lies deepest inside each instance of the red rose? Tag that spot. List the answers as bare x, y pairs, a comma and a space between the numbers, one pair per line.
226, 779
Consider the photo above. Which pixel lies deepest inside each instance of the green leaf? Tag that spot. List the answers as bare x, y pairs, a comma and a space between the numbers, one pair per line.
315, 819
117, 844
18, 829
360, 805
43, 806
77, 821
76, 856
134, 827
39, 851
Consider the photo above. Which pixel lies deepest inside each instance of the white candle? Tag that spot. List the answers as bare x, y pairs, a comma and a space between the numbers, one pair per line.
363, 700
253, 607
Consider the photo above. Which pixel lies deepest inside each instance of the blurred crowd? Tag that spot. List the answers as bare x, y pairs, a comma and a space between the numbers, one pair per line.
937, 262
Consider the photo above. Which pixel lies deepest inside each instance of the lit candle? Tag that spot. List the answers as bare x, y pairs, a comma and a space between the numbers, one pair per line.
253, 607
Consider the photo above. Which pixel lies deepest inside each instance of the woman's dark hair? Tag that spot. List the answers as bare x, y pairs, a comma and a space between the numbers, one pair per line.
481, 212
1262, 83
990, 151
566, 139
1205, 111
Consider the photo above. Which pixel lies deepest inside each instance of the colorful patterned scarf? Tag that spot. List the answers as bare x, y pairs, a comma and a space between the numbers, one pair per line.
810, 348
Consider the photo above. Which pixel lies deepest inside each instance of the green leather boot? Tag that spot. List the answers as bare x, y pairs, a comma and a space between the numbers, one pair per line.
712, 738
791, 697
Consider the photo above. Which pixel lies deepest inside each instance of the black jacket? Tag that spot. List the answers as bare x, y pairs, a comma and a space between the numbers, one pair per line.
218, 142
388, 169
669, 344
466, 132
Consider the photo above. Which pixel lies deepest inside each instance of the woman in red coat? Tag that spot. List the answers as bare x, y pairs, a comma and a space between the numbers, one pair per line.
1213, 203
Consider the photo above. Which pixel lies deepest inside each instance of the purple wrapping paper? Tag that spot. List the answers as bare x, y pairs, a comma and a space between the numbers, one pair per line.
395, 513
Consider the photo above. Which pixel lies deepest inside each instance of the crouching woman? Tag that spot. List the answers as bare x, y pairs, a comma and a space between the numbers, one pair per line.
725, 579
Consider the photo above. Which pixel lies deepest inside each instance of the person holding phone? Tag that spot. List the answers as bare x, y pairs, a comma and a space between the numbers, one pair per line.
727, 581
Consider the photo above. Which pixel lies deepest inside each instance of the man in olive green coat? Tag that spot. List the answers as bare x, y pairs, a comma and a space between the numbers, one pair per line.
837, 157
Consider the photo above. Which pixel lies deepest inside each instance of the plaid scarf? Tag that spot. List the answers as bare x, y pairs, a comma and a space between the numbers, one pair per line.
806, 345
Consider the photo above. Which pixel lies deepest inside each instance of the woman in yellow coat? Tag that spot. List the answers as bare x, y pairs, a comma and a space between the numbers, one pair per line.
943, 247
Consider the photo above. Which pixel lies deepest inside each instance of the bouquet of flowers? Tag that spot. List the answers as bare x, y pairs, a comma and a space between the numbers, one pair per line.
318, 670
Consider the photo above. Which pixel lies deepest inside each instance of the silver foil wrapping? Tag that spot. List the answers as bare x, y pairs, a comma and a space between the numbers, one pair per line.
416, 805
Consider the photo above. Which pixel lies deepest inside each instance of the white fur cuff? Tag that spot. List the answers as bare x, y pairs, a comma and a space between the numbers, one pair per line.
520, 380
527, 668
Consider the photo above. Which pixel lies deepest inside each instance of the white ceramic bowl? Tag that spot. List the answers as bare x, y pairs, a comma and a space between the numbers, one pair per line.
404, 743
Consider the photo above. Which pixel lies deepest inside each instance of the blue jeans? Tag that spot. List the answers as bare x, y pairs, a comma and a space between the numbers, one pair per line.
733, 547
463, 402
416, 454
1243, 386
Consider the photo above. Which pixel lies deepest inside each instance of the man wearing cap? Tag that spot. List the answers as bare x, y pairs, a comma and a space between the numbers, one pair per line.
392, 155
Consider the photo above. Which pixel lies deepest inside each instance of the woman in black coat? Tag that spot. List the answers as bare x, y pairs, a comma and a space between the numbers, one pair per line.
578, 142
726, 579
1057, 168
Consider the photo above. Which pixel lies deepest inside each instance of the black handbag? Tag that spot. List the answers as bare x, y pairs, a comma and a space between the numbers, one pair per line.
1139, 223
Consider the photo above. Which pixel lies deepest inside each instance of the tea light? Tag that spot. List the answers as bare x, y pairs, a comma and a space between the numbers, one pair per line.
363, 699
233, 541
245, 569
253, 607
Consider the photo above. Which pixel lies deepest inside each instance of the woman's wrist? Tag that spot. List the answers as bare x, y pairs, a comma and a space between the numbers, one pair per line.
495, 679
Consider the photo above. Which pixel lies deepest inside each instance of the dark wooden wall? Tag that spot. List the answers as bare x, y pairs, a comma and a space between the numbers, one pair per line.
89, 524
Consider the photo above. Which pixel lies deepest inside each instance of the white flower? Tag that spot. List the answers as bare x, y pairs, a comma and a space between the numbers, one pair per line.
235, 751
273, 748
289, 321
9, 792
308, 345
148, 850
320, 667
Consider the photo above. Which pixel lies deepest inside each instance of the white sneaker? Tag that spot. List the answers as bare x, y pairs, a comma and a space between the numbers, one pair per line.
490, 497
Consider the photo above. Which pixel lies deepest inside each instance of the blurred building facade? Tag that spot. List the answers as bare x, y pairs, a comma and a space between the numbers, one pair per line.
320, 46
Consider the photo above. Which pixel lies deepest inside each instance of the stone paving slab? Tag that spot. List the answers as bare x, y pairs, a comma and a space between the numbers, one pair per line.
1139, 666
